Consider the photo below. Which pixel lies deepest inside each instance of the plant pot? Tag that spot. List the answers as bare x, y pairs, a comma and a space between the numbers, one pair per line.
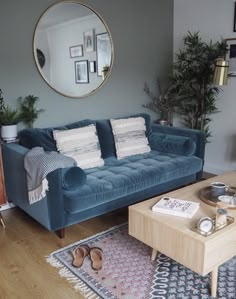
9, 133
163, 122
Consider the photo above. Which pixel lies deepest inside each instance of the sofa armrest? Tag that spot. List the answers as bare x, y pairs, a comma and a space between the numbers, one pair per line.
197, 136
14, 174
50, 210
59, 180
174, 144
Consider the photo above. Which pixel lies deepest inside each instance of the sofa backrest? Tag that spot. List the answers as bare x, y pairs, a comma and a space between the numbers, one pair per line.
44, 137
105, 134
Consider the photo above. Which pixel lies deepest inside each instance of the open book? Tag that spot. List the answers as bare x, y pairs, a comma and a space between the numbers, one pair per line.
177, 207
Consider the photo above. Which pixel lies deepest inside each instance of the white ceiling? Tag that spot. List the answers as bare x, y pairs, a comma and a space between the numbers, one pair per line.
63, 12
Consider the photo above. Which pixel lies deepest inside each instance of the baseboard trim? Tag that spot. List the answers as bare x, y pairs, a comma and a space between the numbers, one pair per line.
6, 206
212, 169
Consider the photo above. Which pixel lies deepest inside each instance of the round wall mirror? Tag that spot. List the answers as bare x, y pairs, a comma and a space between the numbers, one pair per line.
76, 47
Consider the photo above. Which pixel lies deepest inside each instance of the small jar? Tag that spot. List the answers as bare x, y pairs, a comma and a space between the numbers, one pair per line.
221, 217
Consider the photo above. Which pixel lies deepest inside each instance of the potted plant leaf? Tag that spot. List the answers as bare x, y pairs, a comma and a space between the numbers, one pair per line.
9, 119
28, 111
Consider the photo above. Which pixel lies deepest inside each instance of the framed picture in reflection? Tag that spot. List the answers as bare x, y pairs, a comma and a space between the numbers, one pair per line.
89, 41
81, 72
231, 56
103, 52
92, 67
76, 51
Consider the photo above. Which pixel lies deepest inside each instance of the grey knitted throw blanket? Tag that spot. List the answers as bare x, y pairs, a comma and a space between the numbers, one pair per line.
38, 164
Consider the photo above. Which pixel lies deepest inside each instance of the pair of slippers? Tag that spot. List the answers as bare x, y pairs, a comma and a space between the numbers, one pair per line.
80, 253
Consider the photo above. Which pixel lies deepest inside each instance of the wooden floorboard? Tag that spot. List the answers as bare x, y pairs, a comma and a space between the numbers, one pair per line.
24, 272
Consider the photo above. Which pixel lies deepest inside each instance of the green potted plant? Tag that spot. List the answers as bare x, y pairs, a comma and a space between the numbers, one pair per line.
28, 111
164, 103
9, 119
192, 79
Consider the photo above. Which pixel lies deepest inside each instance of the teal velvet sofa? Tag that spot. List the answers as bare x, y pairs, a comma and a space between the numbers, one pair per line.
176, 159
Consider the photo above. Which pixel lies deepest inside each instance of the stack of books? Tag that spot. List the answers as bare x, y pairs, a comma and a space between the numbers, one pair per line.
176, 207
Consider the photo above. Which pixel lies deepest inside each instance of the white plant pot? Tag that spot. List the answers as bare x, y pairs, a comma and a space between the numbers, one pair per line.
9, 133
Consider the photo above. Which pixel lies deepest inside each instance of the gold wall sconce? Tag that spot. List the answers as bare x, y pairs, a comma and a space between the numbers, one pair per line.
221, 72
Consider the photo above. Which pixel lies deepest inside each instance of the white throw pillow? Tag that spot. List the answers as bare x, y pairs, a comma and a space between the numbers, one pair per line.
129, 135
81, 144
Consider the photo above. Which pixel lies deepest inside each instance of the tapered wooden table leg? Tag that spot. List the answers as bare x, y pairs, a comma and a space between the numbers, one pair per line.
214, 278
154, 254
2, 221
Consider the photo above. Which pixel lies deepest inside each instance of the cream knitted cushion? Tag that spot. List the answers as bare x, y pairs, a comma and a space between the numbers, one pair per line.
129, 135
81, 144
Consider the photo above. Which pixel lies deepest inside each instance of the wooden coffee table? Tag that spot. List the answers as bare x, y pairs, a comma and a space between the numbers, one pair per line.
174, 237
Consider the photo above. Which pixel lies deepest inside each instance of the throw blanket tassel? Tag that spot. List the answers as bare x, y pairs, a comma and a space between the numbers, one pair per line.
38, 193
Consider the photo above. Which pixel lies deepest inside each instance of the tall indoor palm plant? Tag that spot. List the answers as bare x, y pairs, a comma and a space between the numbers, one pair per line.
192, 79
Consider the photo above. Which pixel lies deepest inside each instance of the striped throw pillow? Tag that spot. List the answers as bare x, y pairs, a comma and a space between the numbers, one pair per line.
129, 135
81, 144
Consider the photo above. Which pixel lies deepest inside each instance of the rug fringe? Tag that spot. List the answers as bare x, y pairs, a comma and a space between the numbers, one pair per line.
78, 284
72, 278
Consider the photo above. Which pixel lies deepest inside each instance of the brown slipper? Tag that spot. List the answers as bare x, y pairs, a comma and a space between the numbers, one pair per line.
79, 254
96, 258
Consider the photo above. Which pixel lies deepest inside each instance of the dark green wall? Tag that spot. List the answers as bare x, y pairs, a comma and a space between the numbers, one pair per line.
142, 33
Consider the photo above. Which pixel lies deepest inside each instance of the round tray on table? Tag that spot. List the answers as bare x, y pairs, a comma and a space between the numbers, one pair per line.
212, 200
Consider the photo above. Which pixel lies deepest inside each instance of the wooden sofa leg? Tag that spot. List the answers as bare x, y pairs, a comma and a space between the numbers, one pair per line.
2, 221
60, 233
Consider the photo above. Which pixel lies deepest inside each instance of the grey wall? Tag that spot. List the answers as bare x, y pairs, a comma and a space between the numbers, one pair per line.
214, 20
142, 33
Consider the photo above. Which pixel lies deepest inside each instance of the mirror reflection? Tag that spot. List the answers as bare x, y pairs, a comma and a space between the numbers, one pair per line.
73, 49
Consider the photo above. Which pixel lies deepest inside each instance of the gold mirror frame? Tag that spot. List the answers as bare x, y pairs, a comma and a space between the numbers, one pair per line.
41, 60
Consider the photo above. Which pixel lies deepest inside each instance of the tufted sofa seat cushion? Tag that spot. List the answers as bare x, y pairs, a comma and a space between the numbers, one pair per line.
118, 178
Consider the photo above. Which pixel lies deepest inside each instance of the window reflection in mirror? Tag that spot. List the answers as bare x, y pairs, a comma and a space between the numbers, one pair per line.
72, 38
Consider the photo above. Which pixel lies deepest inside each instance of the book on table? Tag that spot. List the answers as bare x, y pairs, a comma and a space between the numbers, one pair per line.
176, 207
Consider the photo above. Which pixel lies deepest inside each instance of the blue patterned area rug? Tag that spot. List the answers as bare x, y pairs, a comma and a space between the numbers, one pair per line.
128, 272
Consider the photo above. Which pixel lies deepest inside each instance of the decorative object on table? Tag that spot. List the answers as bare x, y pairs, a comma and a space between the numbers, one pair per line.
76, 51
218, 188
9, 119
81, 71
143, 278
92, 66
193, 77
164, 103
176, 207
231, 56
28, 111
89, 41
206, 196
207, 226
221, 216
104, 50
227, 199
